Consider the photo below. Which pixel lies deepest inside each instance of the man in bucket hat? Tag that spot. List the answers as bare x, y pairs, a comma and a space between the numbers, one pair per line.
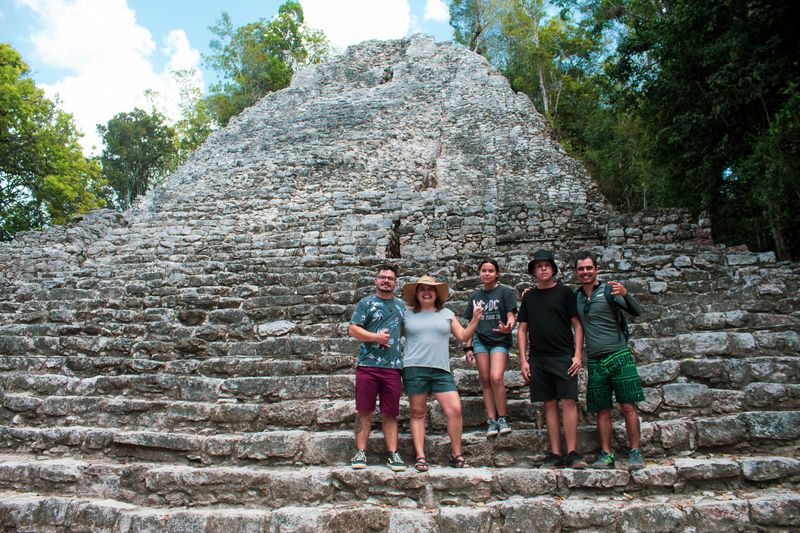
550, 355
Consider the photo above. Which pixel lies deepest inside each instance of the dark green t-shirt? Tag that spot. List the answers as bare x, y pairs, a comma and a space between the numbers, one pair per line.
497, 303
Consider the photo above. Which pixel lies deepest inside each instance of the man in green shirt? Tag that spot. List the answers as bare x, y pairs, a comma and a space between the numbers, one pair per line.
611, 364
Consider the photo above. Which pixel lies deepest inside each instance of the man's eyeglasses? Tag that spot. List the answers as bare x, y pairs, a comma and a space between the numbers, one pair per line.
385, 278
586, 305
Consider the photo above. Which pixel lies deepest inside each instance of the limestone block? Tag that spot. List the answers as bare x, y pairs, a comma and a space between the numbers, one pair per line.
782, 510
526, 482
765, 394
676, 434
720, 516
655, 476
656, 373
694, 344
238, 520
586, 514
411, 521
271, 445
720, 431
782, 425
590, 478
769, 468
706, 469
464, 519
529, 515
788, 341
640, 517
686, 395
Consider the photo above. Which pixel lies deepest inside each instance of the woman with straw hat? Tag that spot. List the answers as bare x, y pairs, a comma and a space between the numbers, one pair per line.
426, 362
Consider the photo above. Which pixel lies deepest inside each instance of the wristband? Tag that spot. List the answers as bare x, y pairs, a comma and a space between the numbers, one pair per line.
468, 349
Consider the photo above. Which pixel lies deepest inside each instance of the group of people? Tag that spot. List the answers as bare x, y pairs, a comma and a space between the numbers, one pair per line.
555, 327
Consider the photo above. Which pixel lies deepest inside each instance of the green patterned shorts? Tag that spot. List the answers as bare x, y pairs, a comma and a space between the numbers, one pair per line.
615, 372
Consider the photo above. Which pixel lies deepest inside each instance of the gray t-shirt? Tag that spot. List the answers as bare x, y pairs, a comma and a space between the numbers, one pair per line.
601, 333
427, 338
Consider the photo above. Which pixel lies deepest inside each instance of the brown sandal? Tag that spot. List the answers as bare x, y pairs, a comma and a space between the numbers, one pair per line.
421, 465
458, 461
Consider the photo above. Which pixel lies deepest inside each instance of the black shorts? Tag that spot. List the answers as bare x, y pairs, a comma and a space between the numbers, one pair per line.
550, 381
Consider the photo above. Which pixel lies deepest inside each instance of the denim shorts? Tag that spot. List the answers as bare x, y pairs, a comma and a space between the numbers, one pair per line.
479, 347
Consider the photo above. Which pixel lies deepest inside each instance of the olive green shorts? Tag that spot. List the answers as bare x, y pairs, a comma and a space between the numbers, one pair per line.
615, 372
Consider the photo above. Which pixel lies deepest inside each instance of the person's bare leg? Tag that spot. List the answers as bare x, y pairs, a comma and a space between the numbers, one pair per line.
631, 415
604, 429
569, 415
553, 425
484, 374
418, 410
390, 432
362, 428
450, 403
499, 362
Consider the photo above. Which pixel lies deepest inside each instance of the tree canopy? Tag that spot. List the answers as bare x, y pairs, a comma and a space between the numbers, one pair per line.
668, 103
258, 58
44, 177
140, 149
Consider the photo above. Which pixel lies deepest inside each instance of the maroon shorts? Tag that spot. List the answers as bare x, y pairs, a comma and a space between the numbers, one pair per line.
373, 382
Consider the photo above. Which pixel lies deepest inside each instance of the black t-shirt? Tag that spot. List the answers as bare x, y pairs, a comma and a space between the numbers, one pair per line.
547, 313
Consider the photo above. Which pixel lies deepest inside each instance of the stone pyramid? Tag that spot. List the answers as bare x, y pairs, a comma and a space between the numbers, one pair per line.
183, 366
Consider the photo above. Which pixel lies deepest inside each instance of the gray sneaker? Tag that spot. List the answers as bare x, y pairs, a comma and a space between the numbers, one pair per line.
491, 428
503, 428
395, 462
359, 460
604, 460
635, 460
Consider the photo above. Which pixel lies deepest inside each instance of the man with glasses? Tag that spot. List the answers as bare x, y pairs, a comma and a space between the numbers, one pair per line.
611, 364
376, 322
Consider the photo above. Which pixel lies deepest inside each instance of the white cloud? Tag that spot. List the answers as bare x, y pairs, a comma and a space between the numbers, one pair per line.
109, 56
436, 10
347, 22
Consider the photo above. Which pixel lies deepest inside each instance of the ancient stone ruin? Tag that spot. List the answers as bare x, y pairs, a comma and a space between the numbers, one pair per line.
183, 366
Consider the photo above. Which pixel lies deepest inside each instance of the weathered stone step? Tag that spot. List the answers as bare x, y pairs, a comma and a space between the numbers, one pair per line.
274, 487
764, 432
213, 367
170, 386
769, 510
717, 343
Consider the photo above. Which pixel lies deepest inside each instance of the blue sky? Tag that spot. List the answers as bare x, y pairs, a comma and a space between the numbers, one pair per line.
99, 57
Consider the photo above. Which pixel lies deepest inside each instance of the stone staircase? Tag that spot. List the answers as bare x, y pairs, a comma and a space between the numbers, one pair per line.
184, 366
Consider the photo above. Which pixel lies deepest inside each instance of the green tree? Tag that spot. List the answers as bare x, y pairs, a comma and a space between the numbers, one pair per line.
715, 84
44, 177
140, 149
195, 123
259, 58
476, 24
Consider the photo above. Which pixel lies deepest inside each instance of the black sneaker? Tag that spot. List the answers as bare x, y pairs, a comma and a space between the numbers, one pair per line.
575, 461
552, 461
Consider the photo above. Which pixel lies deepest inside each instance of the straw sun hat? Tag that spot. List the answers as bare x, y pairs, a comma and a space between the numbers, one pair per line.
410, 290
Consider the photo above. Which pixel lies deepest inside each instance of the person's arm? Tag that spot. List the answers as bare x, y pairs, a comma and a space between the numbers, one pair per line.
522, 342
577, 329
465, 334
359, 333
630, 304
